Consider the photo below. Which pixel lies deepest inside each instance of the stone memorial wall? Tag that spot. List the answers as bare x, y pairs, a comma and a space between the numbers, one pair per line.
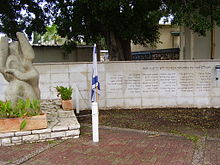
146, 84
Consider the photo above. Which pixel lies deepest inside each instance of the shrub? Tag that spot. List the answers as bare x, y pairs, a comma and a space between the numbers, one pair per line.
64, 92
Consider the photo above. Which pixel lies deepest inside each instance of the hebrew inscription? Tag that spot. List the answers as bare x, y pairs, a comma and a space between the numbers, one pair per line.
161, 80
114, 82
133, 83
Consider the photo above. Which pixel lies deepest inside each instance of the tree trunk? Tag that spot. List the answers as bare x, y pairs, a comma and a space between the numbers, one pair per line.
119, 49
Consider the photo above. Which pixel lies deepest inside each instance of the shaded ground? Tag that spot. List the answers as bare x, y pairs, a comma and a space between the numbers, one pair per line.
178, 121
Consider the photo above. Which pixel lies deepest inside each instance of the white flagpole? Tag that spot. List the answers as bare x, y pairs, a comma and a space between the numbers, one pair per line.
95, 113
95, 122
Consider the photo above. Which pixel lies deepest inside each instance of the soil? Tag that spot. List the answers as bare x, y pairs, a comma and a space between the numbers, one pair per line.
192, 121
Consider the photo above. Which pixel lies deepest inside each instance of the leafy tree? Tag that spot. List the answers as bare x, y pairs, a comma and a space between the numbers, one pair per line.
118, 22
20, 15
37, 38
51, 35
198, 15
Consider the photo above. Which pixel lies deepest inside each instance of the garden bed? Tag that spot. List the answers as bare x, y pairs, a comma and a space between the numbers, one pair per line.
31, 123
204, 121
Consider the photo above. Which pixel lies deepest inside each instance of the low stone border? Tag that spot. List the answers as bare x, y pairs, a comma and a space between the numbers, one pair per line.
61, 125
14, 138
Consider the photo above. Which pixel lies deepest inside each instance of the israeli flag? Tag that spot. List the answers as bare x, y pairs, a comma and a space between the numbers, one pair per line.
95, 80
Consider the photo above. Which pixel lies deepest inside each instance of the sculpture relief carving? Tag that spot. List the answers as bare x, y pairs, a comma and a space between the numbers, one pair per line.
16, 66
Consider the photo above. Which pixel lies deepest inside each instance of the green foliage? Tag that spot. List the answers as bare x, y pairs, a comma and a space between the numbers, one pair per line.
64, 92
23, 108
93, 20
23, 124
198, 15
23, 15
51, 35
130, 20
68, 46
193, 138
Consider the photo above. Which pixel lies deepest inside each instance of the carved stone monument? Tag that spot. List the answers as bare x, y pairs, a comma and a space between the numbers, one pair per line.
16, 66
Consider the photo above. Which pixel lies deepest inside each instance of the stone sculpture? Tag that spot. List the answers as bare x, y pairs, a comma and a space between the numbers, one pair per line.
16, 66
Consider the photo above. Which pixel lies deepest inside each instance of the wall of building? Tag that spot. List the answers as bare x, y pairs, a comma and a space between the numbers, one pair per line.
168, 41
199, 47
146, 84
44, 54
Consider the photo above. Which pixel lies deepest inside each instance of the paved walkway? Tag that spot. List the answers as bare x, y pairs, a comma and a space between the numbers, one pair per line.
116, 147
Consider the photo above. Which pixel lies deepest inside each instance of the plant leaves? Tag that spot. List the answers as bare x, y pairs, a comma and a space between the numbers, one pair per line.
23, 124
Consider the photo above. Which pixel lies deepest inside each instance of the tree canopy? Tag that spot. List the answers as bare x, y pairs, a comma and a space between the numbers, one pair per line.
118, 22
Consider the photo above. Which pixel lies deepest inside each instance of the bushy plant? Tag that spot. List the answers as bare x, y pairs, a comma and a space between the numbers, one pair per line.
23, 108
64, 92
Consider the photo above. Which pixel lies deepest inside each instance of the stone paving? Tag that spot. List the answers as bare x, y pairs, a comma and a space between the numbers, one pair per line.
116, 147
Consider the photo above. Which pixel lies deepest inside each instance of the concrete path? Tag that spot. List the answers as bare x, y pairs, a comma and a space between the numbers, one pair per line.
116, 147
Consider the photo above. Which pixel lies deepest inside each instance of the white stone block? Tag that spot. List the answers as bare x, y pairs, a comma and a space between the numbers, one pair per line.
43, 69
65, 114
115, 67
72, 133
59, 69
30, 137
60, 78
132, 66
59, 128
40, 131
85, 104
7, 134
167, 102
77, 68
45, 136
17, 140
215, 92
101, 67
112, 94
45, 87
6, 141
22, 133
83, 94
58, 134
133, 103
102, 102
74, 126
101, 76
115, 103
215, 102
202, 101
150, 102
78, 77
44, 78
82, 85
47, 95
185, 101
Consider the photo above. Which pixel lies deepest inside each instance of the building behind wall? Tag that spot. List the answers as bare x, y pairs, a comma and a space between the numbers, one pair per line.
47, 54
166, 49
169, 38
193, 46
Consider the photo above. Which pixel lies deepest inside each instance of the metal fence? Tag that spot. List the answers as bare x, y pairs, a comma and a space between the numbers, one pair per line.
160, 54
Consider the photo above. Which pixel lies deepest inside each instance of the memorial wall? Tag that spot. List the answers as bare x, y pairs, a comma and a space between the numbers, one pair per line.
146, 84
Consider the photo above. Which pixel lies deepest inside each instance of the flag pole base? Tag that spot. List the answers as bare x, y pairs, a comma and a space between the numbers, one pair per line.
95, 122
